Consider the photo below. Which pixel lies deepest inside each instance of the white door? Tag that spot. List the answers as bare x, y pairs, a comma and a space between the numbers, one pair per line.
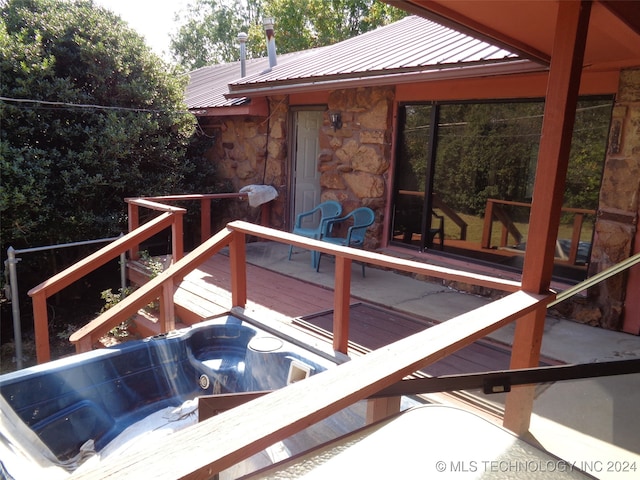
306, 177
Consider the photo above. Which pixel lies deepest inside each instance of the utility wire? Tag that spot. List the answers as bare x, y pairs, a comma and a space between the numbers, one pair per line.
82, 105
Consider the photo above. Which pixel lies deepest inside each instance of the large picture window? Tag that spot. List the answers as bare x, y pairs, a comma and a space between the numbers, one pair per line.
464, 180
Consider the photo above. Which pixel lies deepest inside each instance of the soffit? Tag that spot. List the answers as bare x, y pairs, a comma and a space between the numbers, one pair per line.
528, 26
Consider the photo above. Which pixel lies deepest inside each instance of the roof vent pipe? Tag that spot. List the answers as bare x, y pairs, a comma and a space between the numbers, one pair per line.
242, 38
271, 41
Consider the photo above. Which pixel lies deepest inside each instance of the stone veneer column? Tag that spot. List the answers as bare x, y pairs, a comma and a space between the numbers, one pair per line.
354, 160
616, 228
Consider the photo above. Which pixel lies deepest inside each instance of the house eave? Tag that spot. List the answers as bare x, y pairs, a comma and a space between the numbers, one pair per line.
385, 78
255, 107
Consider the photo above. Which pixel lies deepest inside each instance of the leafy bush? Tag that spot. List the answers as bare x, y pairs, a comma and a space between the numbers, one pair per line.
90, 116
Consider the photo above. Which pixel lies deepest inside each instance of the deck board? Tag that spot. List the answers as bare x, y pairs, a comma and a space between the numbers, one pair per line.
210, 286
373, 327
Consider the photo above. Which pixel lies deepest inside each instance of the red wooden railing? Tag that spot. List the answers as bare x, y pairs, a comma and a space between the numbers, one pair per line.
42, 292
494, 211
234, 237
159, 204
170, 217
249, 428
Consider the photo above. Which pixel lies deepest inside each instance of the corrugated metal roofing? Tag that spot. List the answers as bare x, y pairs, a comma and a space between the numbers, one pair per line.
411, 45
208, 85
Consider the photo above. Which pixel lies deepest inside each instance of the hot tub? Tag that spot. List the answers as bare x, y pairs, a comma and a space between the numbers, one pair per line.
94, 397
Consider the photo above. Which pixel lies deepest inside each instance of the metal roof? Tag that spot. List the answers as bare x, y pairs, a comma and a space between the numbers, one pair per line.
208, 85
410, 48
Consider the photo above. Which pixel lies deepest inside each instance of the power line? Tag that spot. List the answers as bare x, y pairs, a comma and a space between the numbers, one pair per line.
93, 106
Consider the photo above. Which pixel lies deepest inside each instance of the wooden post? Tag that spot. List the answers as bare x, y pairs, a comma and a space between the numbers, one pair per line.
265, 214
205, 219
177, 237
341, 300
548, 193
488, 224
575, 237
84, 345
238, 259
41, 327
167, 311
134, 222
380, 408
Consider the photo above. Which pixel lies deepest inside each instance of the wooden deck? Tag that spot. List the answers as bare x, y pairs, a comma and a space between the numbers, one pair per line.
205, 292
372, 327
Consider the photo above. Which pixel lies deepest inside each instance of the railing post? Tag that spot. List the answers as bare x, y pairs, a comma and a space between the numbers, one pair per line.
527, 343
563, 85
205, 219
238, 259
575, 237
41, 327
342, 298
84, 345
167, 311
380, 408
134, 223
265, 214
177, 237
488, 224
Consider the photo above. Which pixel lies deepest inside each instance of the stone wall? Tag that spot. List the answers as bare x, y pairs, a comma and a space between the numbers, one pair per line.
354, 167
619, 206
354, 160
253, 151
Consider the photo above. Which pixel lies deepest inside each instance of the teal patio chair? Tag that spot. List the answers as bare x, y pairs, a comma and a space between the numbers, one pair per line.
310, 224
359, 220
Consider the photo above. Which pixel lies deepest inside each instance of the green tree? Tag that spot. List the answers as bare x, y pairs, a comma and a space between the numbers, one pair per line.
210, 33
88, 116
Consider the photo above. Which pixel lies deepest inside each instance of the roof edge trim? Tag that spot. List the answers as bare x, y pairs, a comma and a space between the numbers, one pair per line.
381, 78
447, 17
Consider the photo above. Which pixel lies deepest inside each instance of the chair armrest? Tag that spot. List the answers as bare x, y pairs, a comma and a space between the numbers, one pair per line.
328, 223
300, 216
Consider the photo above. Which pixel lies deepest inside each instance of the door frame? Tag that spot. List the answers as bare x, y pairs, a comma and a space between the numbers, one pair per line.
292, 156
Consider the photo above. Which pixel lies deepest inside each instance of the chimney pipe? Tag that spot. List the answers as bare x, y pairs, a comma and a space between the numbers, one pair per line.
271, 41
242, 38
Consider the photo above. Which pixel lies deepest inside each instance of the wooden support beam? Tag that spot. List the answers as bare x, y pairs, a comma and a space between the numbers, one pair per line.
524, 354
41, 327
167, 312
133, 219
202, 450
205, 219
238, 259
548, 193
177, 237
381, 408
341, 298
555, 143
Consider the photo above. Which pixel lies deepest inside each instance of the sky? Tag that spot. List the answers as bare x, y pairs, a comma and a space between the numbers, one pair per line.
153, 19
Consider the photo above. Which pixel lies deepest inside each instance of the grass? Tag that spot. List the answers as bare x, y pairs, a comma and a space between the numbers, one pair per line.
475, 227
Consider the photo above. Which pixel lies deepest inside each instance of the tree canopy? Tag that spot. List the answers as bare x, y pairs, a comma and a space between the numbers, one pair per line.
89, 116
210, 33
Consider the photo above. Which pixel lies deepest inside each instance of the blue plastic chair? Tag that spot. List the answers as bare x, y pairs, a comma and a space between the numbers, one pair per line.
325, 211
360, 219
